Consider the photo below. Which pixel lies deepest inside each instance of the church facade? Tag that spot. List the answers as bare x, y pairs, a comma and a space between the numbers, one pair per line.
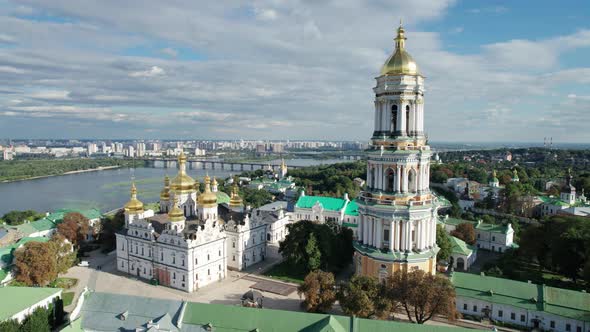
186, 245
397, 211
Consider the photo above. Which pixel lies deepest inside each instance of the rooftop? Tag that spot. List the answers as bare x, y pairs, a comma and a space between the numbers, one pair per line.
461, 247
22, 298
328, 203
7, 253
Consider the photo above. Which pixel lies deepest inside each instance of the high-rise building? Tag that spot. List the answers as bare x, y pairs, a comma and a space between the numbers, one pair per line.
92, 148
140, 149
398, 213
130, 151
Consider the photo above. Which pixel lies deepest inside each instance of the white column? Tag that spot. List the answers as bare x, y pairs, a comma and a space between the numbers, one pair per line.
391, 235
410, 240
360, 229
373, 224
433, 231
404, 246
396, 235
402, 118
419, 235
398, 179
384, 118
365, 226
376, 115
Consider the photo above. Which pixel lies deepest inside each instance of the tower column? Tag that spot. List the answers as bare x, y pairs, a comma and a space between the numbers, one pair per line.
365, 226
379, 234
376, 115
391, 235
398, 179
383, 116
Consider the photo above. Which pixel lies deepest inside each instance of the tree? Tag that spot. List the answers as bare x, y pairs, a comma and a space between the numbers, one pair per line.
421, 295
62, 249
318, 289
314, 256
18, 217
466, 232
74, 227
38, 321
110, 226
10, 325
444, 243
363, 297
35, 263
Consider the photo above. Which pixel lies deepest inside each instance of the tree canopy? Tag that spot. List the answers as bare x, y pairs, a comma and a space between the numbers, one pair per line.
319, 291
36, 263
14, 218
74, 227
466, 232
444, 243
363, 297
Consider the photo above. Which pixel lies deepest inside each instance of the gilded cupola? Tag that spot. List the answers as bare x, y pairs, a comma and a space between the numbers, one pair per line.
400, 62
207, 198
134, 205
235, 200
182, 183
165, 193
176, 214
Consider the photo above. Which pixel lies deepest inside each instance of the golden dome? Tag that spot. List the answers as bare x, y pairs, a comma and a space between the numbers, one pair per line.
175, 214
165, 193
235, 200
134, 205
182, 183
207, 198
400, 62
214, 181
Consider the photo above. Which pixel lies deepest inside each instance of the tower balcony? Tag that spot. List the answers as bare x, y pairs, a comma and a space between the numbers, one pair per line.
423, 198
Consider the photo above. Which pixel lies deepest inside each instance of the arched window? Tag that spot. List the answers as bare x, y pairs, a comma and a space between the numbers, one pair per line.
393, 118
407, 119
390, 180
412, 183
372, 177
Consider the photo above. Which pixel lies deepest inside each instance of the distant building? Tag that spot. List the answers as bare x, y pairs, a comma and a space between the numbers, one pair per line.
463, 255
140, 149
276, 217
492, 237
567, 203
528, 305
7, 154
322, 209
19, 302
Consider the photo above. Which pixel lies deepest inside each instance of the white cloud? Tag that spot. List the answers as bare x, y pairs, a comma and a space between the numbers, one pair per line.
152, 72
51, 95
11, 70
169, 52
4, 38
266, 14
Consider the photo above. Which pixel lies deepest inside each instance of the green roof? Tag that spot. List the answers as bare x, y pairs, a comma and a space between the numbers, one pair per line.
222, 197
393, 256
558, 301
329, 203
225, 318
22, 298
58, 215
461, 247
7, 253
494, 228
352, 209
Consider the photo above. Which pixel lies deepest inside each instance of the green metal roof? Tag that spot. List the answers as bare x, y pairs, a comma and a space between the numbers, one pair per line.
59, 215
222, 197
558, 301
22, 298
329, 203
461, 247
352, 209
393, 256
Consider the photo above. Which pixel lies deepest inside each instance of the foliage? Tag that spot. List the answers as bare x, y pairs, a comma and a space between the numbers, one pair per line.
65, 283
286, 272
24, 169
421, 295
19, 217
334, 244
363, 297
451, 197
11, 325
68, 298
110, 226
255, 198
466, 232
64, 252
331, 180
36, 263
74, 227
444, 243
319, 291
38, 321
560, 244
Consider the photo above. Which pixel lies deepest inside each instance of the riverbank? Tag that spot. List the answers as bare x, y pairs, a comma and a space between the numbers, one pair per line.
102, 168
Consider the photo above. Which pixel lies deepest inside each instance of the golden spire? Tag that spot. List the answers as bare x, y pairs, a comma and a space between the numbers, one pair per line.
166, 181
235, 200
400, 62
207, 198
175, 214
182, 183
214, 181
400, 40
134, 205
165, 193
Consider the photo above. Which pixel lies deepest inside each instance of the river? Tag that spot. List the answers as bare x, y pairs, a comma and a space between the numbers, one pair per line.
105, 190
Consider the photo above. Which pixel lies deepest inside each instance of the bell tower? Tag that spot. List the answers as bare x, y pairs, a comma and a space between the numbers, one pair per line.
397, 210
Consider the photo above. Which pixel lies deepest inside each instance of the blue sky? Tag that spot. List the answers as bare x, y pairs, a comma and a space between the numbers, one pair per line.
508, 71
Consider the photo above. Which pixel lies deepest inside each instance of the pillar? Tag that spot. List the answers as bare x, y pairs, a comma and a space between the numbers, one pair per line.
398, 229
365, 226
398, 179
391, 235
379, 239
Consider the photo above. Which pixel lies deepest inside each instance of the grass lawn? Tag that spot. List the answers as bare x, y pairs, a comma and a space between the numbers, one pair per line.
65, 283
285, 272
67, 297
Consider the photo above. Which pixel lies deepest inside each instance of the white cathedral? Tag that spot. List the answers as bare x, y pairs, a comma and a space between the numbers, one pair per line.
398, 213
192, 240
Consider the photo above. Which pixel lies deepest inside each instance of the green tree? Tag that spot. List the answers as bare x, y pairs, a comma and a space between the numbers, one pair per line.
63, 251
421, 295
314, 256
110, 226
19, 217
318, 289
38, 321
10, 325
444, 243
363, 297
35, 263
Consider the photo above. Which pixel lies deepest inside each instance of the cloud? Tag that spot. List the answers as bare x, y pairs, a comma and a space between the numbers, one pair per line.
152, 72
169, 52
492, 10
6, 39
51, 95
265, 14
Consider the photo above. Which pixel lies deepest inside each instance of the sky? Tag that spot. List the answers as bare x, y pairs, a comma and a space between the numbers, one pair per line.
496, 71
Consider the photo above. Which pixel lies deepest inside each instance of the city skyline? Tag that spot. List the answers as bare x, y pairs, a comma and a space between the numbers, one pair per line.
496, 72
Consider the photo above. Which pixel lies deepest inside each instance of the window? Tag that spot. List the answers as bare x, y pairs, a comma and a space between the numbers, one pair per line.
464, 306
393, 118
208, 272
219, 253
474, 308
183, 277
142, 251
234, 258
493, 238
552, 324
568, 327
407, 119
390, 180
233, 244
173, 260
522, 318
219, 267
208, 258
162, 256
578, 329
512, 316
122, 264
174, 275
478, 236
182, 262
122, 247
500, 313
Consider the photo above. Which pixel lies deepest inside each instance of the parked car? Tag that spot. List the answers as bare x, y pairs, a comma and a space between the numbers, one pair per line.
84, 264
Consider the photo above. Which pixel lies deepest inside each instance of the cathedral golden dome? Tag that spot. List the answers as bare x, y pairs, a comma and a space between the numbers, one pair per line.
182, 183
175, 214
165, 193
400, 62
207, 198
235, 200
134, 205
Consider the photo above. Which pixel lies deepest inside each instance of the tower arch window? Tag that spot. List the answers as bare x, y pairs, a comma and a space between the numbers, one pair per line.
393, 118
372, 177
412, 183
407, 119
390, 180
